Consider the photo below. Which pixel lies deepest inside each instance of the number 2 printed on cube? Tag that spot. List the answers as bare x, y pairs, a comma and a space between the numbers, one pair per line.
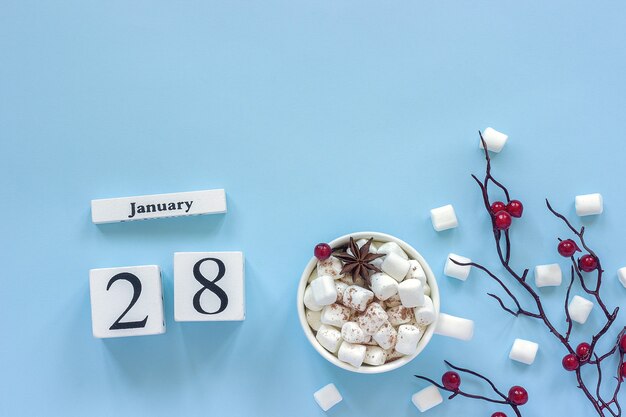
126, 301
209, 286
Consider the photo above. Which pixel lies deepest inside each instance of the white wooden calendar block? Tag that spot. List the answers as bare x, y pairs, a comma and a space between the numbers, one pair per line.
209, 286
111, 210
126, 301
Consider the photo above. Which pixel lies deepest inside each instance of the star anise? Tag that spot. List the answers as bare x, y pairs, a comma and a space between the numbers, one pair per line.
358, 261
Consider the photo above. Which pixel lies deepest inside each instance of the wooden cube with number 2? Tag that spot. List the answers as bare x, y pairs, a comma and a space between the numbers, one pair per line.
126, 301
209, 286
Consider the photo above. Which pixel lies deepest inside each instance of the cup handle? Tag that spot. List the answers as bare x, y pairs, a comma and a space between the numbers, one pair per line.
455, 327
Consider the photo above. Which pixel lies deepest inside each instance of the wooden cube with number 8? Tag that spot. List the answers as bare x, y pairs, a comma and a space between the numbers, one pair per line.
126, 301
209, 286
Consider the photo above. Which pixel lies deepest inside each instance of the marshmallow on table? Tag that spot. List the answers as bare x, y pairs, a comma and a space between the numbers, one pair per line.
357, 297
408, 337
372, 318
416, 271
335, 315
383, 286
579, 309
494, 140
548, 275
313, 318
351, 353
427, 398
425, 314
327, 397
399, 315
524, 351
392, 247
395, 266
621, 274
457, 271
309, 300
455, 327
329, 338
443, 218
352, 333
589, 204
386, 336
411, 292
331, 267
375, 355
324, 290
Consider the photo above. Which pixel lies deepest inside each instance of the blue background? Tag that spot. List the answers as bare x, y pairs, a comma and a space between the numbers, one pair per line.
319, 119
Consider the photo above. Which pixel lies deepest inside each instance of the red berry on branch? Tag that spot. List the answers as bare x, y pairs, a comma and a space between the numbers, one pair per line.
622, 343
518, 395
587, 263
570, 362
497, 207
583, 351
623, 370
515, 208
568, 248
322, 251
451, 380
498, 414
503, 220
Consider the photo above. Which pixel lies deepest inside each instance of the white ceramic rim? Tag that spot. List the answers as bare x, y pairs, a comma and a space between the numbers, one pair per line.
367, 369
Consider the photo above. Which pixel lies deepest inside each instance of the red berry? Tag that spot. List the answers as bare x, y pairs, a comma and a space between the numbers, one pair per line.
623, 370
583, 351
567, 248
503, 220
622, 343
570, 362
518, 395
451, 380
515, 208
322, 251
587, 263
497, 207
498, 414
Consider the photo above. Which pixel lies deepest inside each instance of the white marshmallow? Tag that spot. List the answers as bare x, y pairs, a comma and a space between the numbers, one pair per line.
357, 297
383, 286
524, 351
309, 300
392, 247
427, 289
393, 301
331, 267
411, 292
372, 318
455, 327
386, 336
427, 398
579, 309
329, 338
621, 274
324, 291
393, 354
457, 271
425, 314
408, 337
352, 354
341, 288
396, 266
352, 333
443, 218
589, 204
335, 315
495, 140
327, 397
375, 355
313, 318
416, 271
548, 275
399, 315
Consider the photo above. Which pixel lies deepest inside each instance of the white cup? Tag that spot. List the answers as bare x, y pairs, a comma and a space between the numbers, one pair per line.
367, 369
